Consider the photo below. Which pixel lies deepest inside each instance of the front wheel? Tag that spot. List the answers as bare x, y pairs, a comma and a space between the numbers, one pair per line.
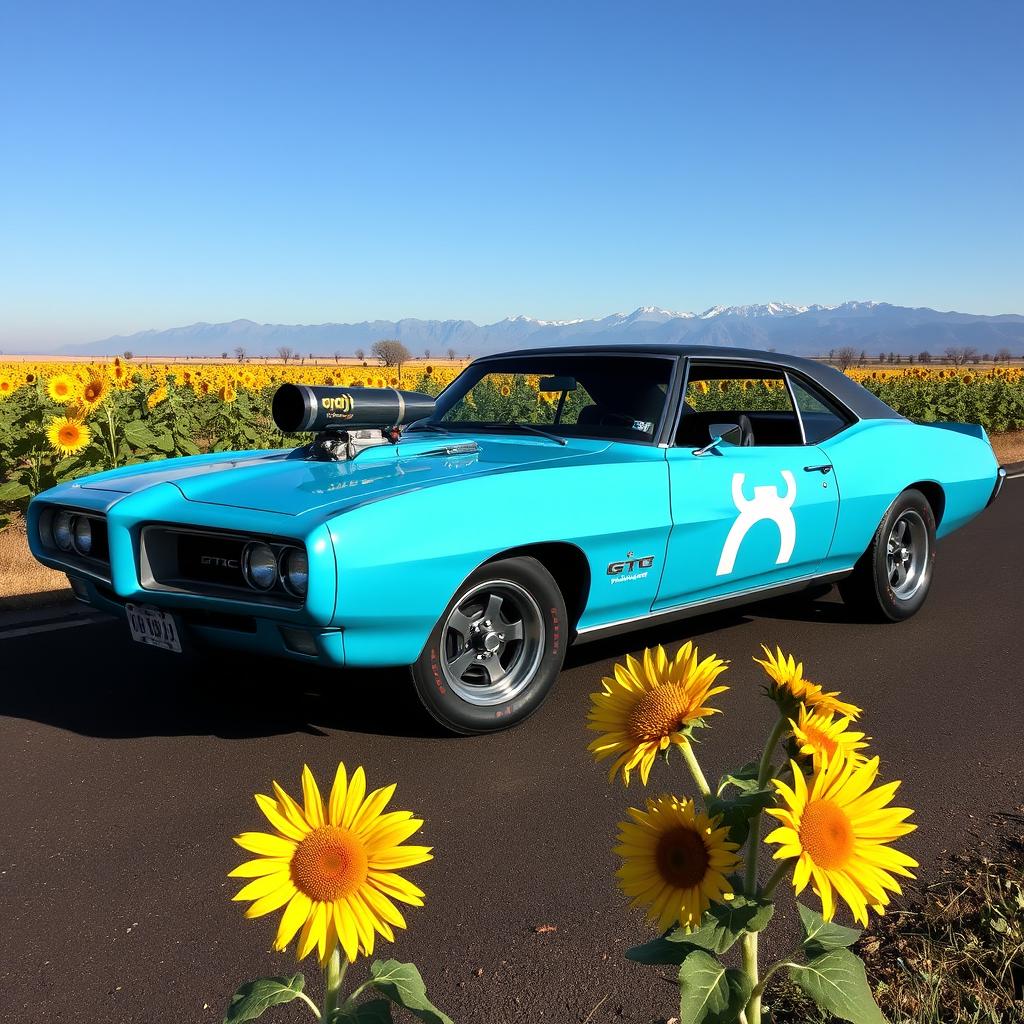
497, 649
892, 578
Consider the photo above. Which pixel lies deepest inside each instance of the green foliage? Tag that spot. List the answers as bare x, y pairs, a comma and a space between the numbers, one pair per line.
402, 984
837, 982
710, 993
376, 1011
125, 429
820, 935
252, 998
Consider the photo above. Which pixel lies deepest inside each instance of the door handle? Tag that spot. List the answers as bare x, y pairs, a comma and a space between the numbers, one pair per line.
826, 468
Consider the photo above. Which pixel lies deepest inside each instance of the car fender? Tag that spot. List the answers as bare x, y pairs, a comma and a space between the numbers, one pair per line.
400, 560
877, 460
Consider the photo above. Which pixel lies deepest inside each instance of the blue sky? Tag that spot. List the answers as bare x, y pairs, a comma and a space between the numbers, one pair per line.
166, 163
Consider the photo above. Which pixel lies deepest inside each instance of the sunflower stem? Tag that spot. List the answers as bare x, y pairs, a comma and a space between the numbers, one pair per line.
776, 876
698, 776
753, 1007
334, 976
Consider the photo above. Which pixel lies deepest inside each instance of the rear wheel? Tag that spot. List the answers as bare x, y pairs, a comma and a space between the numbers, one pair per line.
892, 578
497, 649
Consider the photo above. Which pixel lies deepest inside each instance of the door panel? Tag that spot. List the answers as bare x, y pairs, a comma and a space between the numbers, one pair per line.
745, 518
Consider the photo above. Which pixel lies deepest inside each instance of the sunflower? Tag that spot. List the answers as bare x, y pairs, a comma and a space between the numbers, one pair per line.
331, 865
6, 387
789, 686
61, 388
649, 706
156, 396
674, 861
67, 436
94, 392
505, 391
821, 734
838, 830
227, 393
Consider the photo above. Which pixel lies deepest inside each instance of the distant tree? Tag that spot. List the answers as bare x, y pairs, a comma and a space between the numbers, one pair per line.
863, 358
924, 357
337, 356
987, 357
129, 354
845, 357
426, 353
285, 353
360, 354
451, 354
390, 352
1004, 355
240, 353
960, 354
831, 355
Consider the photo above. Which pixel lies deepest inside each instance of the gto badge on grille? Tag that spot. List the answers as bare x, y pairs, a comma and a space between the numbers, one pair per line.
223, 563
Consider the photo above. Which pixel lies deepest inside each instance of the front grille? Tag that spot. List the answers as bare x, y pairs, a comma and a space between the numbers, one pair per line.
211, 559
205, 562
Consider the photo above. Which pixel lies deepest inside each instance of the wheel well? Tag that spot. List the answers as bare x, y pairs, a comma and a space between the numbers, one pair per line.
567, 564
936, 497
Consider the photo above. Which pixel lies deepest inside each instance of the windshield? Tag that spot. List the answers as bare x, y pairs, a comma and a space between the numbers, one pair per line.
602, 396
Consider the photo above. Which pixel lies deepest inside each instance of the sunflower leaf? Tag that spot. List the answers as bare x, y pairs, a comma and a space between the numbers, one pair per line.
725, 923
737, 811
709, 992
836, 981
12, 491
662, 950
252, 998
377, 1011
138, 435
402, 984
820, 935
744, 778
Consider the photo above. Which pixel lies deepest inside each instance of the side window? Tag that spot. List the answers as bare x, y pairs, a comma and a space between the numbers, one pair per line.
754, 397
821, 418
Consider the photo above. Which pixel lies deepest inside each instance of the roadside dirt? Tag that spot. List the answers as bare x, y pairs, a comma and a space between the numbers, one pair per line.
20, 574
1009, 447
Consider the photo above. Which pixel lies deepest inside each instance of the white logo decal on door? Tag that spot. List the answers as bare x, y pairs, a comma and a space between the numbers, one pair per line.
767, 503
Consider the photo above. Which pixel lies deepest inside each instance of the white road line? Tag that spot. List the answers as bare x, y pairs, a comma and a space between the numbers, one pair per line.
52, 626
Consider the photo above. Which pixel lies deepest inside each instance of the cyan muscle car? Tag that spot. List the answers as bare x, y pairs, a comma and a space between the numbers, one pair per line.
545, 498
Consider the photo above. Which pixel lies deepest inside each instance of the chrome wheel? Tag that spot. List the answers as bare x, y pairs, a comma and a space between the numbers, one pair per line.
492, 643
906, 554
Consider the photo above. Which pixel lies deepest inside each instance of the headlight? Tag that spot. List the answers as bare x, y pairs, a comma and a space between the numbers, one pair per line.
259, 566
83, 535
62, 532
295, 571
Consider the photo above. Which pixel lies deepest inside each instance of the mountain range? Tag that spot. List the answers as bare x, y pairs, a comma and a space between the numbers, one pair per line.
804, 330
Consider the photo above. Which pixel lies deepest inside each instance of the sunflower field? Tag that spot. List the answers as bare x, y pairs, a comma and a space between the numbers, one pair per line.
59, 421
63, 420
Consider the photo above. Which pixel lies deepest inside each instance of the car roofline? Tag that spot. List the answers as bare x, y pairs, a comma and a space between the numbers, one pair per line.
856, 398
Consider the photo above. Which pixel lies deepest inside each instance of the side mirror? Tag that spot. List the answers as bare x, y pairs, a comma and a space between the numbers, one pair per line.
721, 433
727, 433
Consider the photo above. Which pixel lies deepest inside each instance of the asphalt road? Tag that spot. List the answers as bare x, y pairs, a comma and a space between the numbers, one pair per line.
124, 773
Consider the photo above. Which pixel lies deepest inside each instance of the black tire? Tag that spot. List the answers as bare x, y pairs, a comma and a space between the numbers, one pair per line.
879, 588
470, 688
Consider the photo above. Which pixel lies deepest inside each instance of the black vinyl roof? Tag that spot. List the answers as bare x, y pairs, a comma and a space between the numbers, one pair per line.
854, 396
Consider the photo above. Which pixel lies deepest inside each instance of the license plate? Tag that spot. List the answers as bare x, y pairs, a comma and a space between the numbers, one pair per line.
153, 626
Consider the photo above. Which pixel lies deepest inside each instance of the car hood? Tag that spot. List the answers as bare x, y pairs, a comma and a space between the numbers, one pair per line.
285, 482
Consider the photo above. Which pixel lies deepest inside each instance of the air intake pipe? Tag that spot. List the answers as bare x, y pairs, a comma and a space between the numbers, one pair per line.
300, 408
